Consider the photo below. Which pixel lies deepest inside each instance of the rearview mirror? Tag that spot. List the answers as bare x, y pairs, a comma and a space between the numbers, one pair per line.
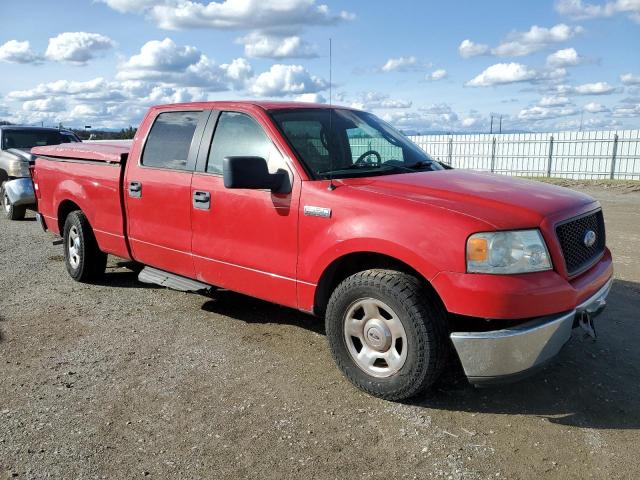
253, 173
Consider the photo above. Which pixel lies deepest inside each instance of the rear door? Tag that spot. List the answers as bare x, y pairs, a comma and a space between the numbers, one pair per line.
157, 191
244, 240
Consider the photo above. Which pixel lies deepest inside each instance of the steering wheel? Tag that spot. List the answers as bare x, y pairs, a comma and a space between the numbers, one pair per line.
361, 161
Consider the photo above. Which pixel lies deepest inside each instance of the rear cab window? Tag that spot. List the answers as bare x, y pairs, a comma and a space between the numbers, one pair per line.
169, 140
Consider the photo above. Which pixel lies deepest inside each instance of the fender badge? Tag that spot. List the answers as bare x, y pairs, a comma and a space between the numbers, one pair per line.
311, 211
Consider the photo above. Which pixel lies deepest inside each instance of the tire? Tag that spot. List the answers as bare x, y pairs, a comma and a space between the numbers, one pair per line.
10, 211
82, 257
360, 309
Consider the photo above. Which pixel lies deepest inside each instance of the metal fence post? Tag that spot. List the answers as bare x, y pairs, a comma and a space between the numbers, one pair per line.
450, 150
493, 154
613, 157
550, 156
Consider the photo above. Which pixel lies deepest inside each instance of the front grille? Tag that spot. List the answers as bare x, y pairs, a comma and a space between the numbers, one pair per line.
571, 234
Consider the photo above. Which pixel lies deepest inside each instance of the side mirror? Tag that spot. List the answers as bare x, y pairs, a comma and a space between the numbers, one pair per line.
253, 173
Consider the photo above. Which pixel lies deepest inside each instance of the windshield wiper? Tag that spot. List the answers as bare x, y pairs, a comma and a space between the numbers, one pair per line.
354, 166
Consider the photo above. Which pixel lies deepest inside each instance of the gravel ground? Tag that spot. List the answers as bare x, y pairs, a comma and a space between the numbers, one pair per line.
123, 380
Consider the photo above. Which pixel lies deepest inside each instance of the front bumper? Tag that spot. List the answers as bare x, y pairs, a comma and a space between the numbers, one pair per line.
506, 354
20, 192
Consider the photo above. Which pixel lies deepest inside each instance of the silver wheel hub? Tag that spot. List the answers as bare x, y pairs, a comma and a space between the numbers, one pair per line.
375, 337
74, 247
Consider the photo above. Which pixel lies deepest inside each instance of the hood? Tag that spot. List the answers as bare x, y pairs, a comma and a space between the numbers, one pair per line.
502, 201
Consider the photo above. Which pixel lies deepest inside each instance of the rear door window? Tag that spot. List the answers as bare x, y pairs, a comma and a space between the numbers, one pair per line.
170, 139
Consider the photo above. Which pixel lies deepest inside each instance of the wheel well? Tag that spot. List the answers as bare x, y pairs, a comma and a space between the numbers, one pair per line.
347, 265
64, 209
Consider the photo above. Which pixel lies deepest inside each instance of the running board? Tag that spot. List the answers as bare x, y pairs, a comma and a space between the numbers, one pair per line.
170, 280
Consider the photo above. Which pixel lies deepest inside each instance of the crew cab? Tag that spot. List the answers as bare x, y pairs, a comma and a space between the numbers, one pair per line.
331, 211
16, 191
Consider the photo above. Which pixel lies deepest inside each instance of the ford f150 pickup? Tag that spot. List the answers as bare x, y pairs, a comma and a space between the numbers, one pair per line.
331, 211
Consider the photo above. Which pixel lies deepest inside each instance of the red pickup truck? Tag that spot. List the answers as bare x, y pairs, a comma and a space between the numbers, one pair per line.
331, 211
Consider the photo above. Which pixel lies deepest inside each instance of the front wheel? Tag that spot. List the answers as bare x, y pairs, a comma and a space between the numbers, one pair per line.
387, 333
82, 257
11, 211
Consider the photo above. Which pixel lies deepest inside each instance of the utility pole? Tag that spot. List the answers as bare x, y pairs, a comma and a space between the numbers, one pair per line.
500, 123
491, 128
581, 119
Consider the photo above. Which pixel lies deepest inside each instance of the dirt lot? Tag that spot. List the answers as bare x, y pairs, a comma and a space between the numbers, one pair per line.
123, 380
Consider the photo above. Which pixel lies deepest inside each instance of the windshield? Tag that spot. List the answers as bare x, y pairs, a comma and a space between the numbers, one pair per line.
343, 143
26, 139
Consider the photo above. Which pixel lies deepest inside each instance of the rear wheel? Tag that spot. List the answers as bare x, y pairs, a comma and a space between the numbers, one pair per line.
83, 258
387, 333
8, 209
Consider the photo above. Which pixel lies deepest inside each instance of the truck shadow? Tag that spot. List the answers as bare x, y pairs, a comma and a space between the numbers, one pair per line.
122, 274
252, 310
589, 385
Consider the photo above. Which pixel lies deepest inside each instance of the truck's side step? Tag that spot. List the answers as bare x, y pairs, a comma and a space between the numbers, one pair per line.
170, 280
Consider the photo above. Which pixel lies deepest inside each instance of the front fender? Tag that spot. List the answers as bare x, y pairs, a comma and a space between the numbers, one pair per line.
369, 245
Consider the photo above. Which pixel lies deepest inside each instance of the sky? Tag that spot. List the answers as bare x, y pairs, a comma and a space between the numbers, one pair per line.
424, 66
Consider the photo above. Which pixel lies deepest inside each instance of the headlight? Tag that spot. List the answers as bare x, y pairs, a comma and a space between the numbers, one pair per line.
518, 251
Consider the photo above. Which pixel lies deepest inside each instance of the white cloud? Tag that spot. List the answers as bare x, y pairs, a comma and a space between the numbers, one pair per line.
282, 80
15, 51
235, 14
503, 73
167, 63
264, 45
400, 64
61, 87
77, 47
518, 44
371, 100
130, 6
567, 57
627, 110
163, 56
597, 88
50, 104
630, 79
310, 98
436, 75
468, 49
553, 101
109, 103
594, 107
578, 10
238, 71
544, 113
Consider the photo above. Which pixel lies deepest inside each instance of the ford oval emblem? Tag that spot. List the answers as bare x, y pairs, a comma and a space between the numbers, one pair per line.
589, 238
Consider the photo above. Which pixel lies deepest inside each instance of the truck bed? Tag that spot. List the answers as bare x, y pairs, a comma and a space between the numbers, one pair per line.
88, 176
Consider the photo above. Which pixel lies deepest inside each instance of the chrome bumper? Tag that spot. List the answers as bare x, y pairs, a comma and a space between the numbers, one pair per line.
503, 355
20, 192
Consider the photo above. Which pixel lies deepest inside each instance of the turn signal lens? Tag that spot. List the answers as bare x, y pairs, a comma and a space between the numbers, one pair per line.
477, 249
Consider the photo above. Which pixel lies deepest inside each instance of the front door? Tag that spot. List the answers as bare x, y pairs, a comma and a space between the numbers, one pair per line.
243, 240
158, 191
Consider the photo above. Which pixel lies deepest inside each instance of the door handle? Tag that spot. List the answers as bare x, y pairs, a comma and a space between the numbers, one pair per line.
201, 200
135, 189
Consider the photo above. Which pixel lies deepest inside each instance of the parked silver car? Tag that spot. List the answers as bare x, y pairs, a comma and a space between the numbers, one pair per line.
16, 191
